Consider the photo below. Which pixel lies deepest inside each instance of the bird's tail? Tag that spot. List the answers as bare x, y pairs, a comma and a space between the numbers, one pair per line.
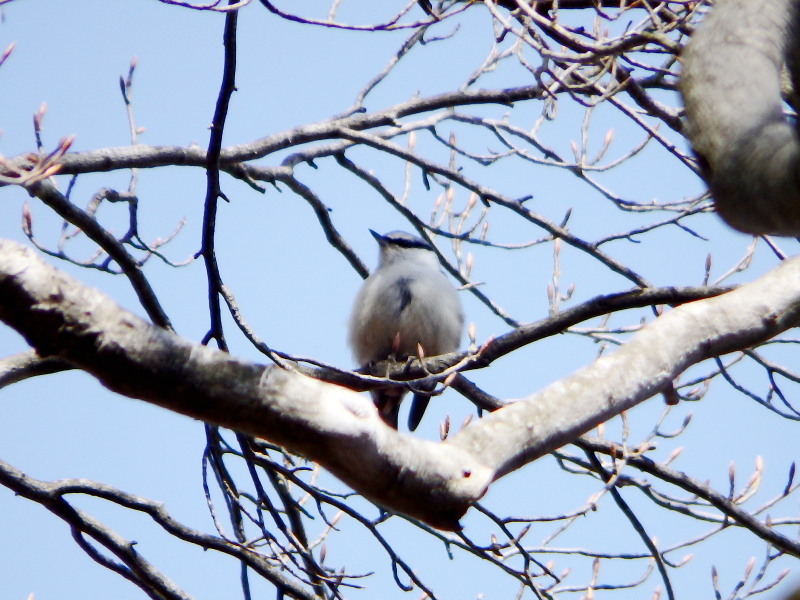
418, 405
388, 400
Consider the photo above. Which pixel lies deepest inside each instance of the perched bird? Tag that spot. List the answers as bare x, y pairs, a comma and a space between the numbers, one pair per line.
406, 301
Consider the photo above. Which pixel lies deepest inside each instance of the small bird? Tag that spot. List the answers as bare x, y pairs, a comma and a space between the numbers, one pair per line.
407, 301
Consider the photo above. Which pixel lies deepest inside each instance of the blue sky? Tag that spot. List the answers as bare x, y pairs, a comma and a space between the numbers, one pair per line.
296, 292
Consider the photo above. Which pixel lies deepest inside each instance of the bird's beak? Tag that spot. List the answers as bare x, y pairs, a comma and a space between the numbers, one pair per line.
378, 237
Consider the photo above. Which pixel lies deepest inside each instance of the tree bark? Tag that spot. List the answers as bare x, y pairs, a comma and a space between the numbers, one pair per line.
340, 429
731, 86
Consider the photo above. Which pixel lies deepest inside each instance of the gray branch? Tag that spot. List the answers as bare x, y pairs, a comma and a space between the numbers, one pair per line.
25, 365
731, 87
434, 482
51, 495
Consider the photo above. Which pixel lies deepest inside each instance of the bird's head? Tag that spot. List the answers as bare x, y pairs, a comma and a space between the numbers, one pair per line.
399, 245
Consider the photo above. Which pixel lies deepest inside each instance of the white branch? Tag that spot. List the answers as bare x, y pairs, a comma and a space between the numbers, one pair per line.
435, 482
26, 365
731, 85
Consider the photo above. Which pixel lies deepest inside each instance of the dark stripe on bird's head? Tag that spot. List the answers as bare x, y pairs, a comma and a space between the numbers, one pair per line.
400, 239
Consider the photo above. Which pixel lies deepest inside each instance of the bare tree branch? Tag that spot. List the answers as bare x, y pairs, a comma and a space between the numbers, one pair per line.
47, 193
26, 365
341, 430
133, 566
702, 490
731, 87
574, 92
51, 496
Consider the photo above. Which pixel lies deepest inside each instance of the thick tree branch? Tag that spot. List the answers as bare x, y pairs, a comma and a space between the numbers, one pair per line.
731, 87
644, 366
334, 426
340, 429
